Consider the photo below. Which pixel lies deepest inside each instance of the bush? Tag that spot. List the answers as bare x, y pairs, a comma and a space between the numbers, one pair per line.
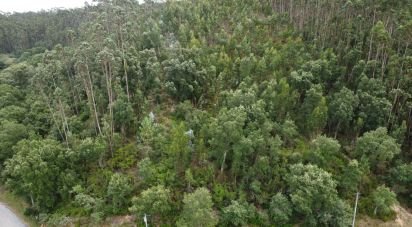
125, 157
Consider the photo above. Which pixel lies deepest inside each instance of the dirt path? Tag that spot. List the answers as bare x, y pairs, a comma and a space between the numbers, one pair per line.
8, 218
403, 219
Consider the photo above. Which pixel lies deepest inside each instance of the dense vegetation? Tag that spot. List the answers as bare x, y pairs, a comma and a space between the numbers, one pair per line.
209, 112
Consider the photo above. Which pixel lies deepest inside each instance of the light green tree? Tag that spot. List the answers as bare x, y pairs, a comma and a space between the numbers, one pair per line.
10, 134
236, 214
226, 131
383, 200
37, 171
155, 201
313, 195
377, 147
313, 111
118, 191
280, 209
342, 108
324, 153
198, 210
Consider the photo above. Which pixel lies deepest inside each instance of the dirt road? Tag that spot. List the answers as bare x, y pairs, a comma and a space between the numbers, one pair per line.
8, 218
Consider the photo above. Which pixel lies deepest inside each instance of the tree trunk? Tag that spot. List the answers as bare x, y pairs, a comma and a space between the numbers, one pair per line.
337, 129
223, 162
64, 122
107, 71
52, 114
125, 67
32, 200
371, 39
93, 99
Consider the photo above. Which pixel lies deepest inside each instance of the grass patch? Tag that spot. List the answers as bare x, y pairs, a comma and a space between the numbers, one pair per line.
17, 205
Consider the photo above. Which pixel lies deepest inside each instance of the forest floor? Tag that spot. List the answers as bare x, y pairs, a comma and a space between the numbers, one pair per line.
403, 219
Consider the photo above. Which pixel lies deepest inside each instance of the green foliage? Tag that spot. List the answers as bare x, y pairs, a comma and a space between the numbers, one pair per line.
325, 153
280, 98
374, 107
10, 134
313, 195
9, 95
184, 79
197, 209
123, 97
226, 131
150, 69
125, 157
222, 195
377, 147
147, 131
88, 151
342, 108
350, 178
123, 112
155, 201
180, 147
383, 199
280, 209
91, 205
118, 192
313, 112
39, 171
13, 113
401, 178
402, 174
236, 214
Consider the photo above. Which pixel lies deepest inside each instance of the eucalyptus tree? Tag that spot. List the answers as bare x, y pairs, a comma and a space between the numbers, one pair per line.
401, 179
10, 134
342, 108
122, 111
118, 192
107, 60
186, 79
119, 19
280, 209
198, 209
227, 131
313, 111
383, 199
83, 57
155, 201
377, 148
325, 153
237, 214
374, 107
313, 195
179, 149
48, 80
38, 171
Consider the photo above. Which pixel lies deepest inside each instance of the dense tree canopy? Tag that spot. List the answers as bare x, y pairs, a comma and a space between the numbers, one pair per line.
208, 112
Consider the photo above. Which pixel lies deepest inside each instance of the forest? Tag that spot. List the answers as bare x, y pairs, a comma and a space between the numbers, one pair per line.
208, 112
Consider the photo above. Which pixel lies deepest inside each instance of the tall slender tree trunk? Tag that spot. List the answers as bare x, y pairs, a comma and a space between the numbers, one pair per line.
108, 74
124, 64
96, 116
52, 114
65, 125
337, 129
32, 200
223, 162
371, 39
